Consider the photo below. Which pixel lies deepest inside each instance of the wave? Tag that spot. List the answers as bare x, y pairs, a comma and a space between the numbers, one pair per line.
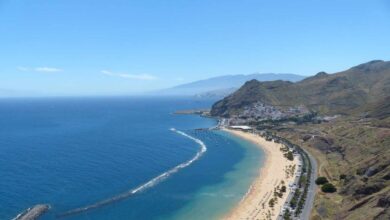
146, 185
21, 214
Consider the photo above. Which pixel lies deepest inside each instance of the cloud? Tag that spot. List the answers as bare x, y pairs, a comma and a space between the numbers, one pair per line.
44, 69
47, 69
129, 76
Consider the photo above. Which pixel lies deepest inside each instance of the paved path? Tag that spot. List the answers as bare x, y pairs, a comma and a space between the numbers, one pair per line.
312, 190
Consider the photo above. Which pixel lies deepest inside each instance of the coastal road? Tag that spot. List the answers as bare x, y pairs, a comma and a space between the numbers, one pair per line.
312, 190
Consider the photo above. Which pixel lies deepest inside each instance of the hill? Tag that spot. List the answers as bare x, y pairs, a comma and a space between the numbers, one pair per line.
352, 149
342, 93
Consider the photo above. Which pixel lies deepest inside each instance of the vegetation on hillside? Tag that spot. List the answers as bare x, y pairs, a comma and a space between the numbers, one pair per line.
321, 180
353, 149
342, 93
328, 188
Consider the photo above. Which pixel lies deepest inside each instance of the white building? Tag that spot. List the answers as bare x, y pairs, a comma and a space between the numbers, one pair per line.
241, 127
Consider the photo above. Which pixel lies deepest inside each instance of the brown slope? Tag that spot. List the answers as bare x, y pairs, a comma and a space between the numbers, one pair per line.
357, 147
345, 92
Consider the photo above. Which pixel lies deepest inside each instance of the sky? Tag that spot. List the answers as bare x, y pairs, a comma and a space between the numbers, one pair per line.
120, 47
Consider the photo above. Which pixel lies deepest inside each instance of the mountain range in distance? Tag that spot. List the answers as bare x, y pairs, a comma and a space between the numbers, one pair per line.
221, 86
215, 87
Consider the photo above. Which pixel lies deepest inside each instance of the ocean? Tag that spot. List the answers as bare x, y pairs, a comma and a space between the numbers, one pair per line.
119, 158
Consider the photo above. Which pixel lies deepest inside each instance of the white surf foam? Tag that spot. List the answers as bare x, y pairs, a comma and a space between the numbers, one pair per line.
166, 174
148, 184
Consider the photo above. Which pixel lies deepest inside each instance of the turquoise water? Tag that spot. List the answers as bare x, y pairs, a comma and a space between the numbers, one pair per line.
76, 152
214, 201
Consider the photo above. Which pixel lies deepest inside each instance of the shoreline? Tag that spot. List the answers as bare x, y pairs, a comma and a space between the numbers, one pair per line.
275, 172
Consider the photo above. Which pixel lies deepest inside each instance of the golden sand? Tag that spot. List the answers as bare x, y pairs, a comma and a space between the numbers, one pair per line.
276, 170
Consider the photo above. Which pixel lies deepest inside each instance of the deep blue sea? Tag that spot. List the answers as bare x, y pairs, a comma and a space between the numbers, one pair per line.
75, 152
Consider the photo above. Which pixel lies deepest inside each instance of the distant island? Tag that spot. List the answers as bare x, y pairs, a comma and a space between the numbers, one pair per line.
221, 86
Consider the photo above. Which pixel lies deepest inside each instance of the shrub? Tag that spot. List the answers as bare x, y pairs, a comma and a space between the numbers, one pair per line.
271, 203
321, 180
287, 215
290, 156
328, 188
343, 176
283, 189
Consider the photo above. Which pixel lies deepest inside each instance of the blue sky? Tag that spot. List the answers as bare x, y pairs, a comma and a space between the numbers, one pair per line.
92, 47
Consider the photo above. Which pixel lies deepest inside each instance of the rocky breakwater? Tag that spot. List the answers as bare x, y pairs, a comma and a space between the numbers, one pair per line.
33, 213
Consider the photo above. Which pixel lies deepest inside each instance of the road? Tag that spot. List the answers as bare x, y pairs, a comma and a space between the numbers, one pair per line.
312, 190
310, 194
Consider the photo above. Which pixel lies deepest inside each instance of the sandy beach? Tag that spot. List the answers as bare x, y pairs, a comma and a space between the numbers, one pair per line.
276, 172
